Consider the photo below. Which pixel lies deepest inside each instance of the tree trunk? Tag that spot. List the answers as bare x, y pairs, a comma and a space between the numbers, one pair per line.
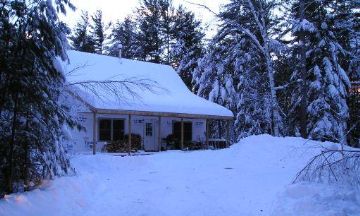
26, 158
304, 89
12, 146
260, 21
274, 101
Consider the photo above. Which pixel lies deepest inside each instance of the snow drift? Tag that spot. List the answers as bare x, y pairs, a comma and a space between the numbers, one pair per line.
252, 177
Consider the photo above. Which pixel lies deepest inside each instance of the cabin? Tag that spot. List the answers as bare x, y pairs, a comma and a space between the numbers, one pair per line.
147, 100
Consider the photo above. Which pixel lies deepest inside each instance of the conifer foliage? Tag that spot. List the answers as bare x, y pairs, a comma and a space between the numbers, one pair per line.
31, 113
241, 61
160, 33
187, 48
283, 72
150, 20
97, 31
89, 33
325, 67
81, 39
123, 34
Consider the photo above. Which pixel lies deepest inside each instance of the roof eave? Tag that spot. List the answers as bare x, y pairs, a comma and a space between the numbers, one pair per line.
161, 114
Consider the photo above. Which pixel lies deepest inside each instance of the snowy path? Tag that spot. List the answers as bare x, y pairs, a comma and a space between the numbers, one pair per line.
243, 180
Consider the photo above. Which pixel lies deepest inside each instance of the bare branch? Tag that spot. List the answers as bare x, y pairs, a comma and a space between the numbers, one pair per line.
116, 86
332, 165
119, 88
203, 6
68, 73
287, 85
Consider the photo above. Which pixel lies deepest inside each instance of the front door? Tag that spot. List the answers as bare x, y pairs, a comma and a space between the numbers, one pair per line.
150, 137
187, 132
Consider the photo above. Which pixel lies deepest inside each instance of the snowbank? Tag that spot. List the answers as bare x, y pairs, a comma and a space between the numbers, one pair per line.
309, 199
251, 178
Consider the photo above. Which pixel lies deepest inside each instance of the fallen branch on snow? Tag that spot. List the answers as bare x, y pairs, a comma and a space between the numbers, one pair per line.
332, 166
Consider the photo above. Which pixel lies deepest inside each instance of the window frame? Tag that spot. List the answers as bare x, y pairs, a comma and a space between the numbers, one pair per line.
185, 131
149, 129
111, 128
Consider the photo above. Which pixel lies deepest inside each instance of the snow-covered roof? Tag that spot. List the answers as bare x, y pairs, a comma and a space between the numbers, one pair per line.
168, 94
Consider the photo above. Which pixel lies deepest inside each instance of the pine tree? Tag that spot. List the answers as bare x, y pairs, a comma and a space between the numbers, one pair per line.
215, 80
244, 49
162, 37
284, 65
327, 81
254, 115
148, 19
81, 39
97, 31
31, 114
124, 33
257, 22
352, 19
188, 47
167, 12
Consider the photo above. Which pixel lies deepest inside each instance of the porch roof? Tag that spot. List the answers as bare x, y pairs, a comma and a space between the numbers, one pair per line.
167, 96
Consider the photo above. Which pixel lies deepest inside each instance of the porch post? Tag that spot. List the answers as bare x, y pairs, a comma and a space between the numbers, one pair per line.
228, 133
182, 134
94, 133
159, 133
129, 134
207, 133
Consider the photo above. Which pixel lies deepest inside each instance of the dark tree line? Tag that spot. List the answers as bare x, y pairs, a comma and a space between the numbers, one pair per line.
157, 32
88, 34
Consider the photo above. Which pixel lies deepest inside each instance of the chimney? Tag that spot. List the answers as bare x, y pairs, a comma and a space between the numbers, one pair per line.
120, 49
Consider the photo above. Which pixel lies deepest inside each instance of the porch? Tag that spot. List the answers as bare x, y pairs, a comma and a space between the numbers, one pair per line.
156, 131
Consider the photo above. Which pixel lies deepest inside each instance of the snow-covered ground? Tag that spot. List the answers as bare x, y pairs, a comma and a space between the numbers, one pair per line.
252, 177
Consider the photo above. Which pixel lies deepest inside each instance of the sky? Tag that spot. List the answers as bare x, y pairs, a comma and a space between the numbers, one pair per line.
118, 9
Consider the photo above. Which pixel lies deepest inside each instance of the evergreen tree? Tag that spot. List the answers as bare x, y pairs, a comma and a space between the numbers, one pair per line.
81, 39
327, 81
97, 31
188, 47
31, 114
254, 114
244, 49
124, 33
149, 24
215, 80
167, 12
168, 36
346, 24
284, 65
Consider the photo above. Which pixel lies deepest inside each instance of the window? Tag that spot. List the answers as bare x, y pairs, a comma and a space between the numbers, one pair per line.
111, 129
187, 130
105, 130
148, 129
118, 130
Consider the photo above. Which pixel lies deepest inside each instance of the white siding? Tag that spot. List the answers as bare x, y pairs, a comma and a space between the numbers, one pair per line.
78, 140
